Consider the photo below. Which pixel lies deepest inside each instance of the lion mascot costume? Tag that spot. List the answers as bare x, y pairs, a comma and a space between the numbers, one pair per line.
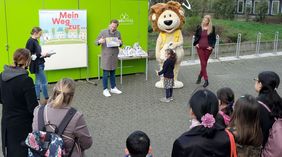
168, 18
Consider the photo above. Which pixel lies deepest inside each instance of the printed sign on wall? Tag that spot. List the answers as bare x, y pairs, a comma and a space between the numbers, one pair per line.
64, 36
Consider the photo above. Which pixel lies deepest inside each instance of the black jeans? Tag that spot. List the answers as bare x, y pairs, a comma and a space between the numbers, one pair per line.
168, 92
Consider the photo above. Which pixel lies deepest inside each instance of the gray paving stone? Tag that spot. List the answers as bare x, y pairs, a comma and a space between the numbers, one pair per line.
112, 119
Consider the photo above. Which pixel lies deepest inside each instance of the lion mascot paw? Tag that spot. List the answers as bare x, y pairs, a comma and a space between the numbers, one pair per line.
168, 19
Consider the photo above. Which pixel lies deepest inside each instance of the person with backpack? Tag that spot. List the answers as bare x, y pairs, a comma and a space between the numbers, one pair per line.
206, 137
266, 85
17, 95
245, 126
76, 136
273, 145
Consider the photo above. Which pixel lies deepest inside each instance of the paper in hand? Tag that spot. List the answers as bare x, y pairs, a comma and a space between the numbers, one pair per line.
49, 53
112, 42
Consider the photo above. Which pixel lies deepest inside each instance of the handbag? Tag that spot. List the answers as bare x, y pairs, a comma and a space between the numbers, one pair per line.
233, 150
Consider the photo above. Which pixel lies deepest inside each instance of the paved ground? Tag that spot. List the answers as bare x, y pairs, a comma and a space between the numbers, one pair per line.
111, 120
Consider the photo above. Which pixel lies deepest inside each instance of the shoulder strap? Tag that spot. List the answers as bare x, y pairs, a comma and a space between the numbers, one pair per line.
61, 128
265, 106
41, 118
233, 150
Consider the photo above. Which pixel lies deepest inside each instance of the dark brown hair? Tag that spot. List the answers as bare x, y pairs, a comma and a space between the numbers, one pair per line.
114, 21
245, 119
21, 57
172, 54
226, 96
35, 30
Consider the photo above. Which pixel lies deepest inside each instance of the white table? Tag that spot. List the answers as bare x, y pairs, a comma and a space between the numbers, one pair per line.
121, 59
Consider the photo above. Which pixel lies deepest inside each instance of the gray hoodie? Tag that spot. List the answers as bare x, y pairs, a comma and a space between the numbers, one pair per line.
11, 72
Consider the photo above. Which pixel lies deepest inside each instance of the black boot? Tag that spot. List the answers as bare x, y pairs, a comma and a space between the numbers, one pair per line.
206, 83
199, 79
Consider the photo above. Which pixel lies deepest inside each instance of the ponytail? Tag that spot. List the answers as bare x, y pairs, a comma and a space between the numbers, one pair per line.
267, 94
63, 93
204, 105
58, 101
277, 105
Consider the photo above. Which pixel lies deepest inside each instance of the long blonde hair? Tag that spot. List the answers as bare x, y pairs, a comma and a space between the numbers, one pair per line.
208, 17
63, 93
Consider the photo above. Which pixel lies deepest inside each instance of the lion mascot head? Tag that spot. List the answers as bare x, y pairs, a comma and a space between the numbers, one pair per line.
167, 17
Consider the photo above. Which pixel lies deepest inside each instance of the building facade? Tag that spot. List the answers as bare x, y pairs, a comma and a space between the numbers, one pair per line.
243, 6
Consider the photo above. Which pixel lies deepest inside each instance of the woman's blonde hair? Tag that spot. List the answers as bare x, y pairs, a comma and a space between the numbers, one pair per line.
63, 93
208, 17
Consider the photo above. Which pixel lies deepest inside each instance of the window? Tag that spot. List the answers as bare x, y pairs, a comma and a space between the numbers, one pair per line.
249, 6
256, 8
240, 6
275, 8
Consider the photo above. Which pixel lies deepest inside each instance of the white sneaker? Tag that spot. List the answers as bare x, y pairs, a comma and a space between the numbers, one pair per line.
115, 90
165, 99
106, 93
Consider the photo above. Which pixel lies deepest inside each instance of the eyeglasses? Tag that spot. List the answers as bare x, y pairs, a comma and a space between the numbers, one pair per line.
255, 79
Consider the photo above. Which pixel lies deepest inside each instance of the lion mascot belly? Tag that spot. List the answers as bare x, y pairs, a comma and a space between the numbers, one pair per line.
168, 18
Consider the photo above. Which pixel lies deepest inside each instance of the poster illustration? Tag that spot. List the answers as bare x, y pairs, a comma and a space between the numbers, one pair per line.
64, 35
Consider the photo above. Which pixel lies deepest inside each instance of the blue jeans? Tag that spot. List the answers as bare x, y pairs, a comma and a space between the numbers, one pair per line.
112, 78
41, 81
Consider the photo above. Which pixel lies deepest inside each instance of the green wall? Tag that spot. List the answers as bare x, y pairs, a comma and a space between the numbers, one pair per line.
3, 37
20, 16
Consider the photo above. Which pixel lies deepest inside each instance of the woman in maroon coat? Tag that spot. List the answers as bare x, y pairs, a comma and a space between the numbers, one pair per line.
205, 39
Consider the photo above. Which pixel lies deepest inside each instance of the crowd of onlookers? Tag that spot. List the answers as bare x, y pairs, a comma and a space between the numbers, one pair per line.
221, 125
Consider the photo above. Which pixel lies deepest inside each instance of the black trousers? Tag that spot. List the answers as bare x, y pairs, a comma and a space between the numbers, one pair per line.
168, 92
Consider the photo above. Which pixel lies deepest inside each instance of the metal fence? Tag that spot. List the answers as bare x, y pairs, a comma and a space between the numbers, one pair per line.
240, 48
